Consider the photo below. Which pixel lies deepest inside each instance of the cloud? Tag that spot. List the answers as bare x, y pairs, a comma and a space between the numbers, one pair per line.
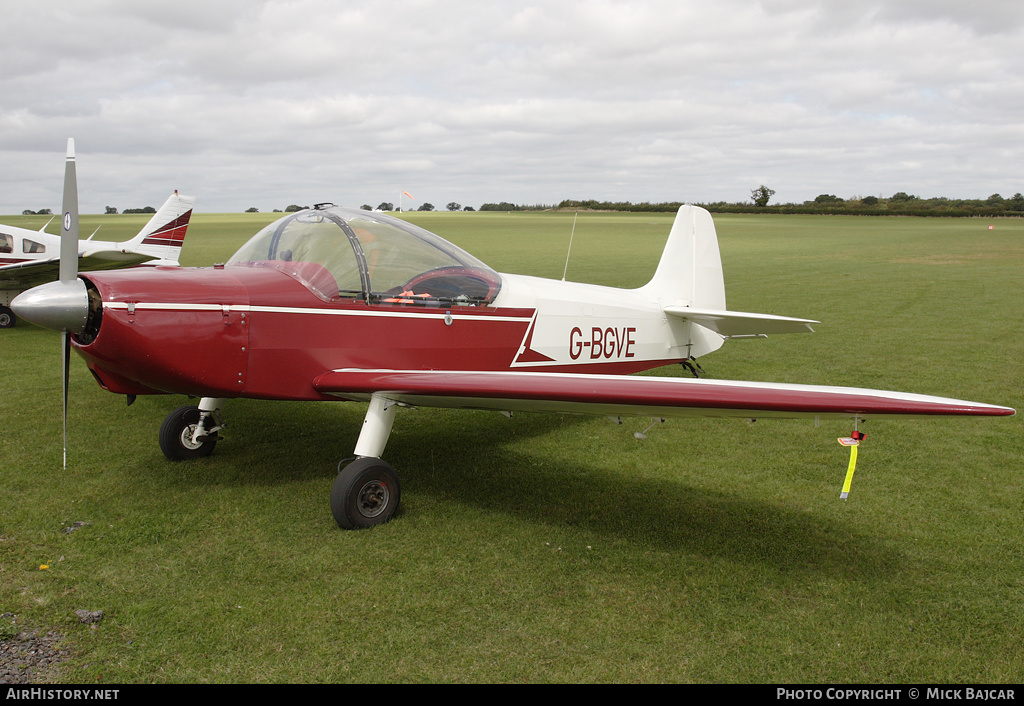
270, 103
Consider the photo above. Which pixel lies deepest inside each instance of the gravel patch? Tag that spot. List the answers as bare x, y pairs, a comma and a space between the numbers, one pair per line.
31, 656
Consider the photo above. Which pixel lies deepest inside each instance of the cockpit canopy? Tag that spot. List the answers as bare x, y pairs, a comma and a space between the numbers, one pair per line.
341, 253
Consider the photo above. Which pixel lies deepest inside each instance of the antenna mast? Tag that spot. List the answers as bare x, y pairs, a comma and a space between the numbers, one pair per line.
570, 245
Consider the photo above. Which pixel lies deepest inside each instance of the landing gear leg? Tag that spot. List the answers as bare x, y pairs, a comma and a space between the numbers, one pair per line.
366, 491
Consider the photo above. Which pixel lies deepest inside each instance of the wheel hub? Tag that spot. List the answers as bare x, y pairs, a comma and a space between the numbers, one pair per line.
186, 437
373, 499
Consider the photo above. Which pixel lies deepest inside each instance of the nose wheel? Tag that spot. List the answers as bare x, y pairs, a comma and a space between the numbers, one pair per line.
365, 493
188, 433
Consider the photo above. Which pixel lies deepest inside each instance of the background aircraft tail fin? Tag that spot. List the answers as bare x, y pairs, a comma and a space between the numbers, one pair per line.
164, 235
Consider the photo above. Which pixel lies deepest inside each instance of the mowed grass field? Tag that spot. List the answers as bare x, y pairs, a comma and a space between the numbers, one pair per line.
548, 548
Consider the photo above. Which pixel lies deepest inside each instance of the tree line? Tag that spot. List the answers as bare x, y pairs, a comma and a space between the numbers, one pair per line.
110, 210
899, 204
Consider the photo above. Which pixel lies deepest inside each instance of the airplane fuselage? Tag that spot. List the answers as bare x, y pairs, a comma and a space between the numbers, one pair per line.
254, 332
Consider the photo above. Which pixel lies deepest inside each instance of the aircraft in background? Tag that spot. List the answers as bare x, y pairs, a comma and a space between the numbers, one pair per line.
342, 304
29, 258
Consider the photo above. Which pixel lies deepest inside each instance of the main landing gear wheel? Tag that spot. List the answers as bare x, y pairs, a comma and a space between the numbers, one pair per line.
365, 493
177, 431
6, 317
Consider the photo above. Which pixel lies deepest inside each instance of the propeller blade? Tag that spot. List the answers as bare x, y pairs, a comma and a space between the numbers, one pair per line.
69, 227
68, 264
66, 341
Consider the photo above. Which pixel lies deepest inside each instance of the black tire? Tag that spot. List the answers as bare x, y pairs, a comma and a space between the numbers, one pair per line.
7, 319
176, 435
365, 493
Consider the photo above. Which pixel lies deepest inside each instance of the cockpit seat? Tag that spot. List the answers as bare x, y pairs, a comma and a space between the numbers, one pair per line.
450, 283
315, 276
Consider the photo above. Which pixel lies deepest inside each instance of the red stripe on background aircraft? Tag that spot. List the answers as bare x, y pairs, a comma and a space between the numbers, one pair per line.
332, 303
29, 258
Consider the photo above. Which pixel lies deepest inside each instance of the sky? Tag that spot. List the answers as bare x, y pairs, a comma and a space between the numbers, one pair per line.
265, 104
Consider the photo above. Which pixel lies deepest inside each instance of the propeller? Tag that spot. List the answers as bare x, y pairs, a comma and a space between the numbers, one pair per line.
68, 264
62, 305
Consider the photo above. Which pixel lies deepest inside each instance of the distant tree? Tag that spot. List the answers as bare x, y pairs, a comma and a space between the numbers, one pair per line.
28, 212
366, 207
386, 206
252, 209
452, 206
146, 209
1016, 203
827, 198
902, 196
426, 207
469, 208
293, 208
994, 200
869, 200
761, 195
110, 211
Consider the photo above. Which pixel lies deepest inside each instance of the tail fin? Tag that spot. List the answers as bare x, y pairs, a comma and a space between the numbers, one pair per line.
690, 271
164, 235
689, 283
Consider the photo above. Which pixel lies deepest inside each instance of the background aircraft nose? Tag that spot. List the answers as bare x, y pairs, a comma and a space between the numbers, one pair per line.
56, 305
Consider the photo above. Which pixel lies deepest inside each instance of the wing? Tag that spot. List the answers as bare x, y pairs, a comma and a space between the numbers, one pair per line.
628, 395
25, 275
93, 260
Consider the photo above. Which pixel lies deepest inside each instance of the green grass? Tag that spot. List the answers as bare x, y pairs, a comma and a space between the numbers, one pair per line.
550, 548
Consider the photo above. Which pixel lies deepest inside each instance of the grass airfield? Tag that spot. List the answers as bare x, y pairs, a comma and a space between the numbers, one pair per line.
549, 548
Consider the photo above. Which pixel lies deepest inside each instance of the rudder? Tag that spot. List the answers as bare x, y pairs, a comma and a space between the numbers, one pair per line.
690, 270
164, 234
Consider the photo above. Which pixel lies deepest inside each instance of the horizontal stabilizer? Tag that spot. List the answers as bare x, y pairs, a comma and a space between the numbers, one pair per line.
740, 324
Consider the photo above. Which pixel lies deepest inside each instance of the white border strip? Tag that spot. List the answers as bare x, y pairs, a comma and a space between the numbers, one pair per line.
441, 314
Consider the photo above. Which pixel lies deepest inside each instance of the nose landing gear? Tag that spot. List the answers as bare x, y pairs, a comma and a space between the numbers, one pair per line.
190, 432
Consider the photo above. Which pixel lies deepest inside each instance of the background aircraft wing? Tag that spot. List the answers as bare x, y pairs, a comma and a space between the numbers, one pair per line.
632, 395
111, 259
25, 275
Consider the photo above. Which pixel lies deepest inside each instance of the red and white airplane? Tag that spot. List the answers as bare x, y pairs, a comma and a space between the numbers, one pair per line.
340, 304
29, 258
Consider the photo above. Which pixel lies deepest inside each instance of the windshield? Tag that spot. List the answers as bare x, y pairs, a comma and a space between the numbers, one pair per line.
346, 253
